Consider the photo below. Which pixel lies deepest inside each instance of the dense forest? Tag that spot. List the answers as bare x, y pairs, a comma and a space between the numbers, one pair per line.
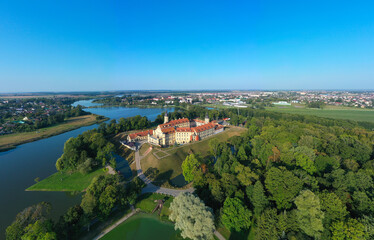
294, 179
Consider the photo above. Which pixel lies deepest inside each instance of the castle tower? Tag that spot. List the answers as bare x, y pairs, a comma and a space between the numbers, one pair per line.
206, 118
166, 117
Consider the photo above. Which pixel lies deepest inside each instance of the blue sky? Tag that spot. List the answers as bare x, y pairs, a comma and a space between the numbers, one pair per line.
183, 45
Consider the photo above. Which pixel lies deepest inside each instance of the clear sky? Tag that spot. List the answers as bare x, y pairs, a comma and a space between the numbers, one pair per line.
182, 45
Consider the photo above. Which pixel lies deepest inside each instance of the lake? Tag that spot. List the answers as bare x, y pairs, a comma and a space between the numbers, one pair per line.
143, 227
20, 166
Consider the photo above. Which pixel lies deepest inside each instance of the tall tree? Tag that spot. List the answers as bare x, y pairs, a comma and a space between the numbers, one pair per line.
350, 230
192, 217
235, 215
283, 186
258, 198
190, 166
309, 213
214, 147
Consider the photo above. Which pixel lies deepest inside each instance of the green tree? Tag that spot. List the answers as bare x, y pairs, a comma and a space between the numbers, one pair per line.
235, 215
245, 175
40, 230
192, 217
309, 213
28, 216
350, 230
258, 198
214, 147
267, 225
305, 158
88, 203
107, 200
334, 208
362, 204
242, 154
190, 166
283, 186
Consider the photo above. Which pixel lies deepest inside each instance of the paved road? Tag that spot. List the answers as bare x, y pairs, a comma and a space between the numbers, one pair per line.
150, 187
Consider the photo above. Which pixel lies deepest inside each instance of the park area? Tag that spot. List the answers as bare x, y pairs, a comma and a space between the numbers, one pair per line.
163, 165
335, 112
68, 182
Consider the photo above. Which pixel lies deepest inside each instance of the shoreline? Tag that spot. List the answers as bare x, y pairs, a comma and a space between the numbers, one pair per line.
38, 136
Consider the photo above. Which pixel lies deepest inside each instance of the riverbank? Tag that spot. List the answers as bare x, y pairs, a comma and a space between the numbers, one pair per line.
66, 182
10, 141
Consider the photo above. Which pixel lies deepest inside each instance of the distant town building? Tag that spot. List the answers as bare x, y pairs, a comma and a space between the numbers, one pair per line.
283, 103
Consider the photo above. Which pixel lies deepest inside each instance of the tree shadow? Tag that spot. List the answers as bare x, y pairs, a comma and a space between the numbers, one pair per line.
178, 181
163, 177
152, 173
239, 235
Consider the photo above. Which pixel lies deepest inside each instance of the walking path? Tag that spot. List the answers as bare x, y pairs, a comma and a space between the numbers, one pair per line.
124, 218
150, 187
219, 236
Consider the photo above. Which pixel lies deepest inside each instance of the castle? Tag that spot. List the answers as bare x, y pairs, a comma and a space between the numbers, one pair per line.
179, 131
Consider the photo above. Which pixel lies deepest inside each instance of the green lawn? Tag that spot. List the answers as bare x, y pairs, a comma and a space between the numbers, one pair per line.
146, 203
62, 181
170, 167
355, 114
144, 227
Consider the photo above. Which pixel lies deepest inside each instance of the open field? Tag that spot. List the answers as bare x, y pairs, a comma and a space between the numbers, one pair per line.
354, 114
169, 167
62, 181
12, 140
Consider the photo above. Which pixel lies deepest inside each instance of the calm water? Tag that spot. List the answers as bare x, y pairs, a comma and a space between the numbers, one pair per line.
20, 166
143, 227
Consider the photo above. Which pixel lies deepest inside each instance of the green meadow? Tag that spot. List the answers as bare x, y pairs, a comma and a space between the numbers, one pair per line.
63, 181
355, 114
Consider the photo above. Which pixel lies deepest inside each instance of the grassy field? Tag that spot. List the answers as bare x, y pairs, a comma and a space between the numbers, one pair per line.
169, 167
355, 114
146, 203
144, 227
99, 226
62, 181
12, 140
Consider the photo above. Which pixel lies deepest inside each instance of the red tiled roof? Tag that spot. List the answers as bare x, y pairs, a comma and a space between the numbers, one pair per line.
140, 134
184, 129
199, 120
203, 128
172, 123
168, 130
